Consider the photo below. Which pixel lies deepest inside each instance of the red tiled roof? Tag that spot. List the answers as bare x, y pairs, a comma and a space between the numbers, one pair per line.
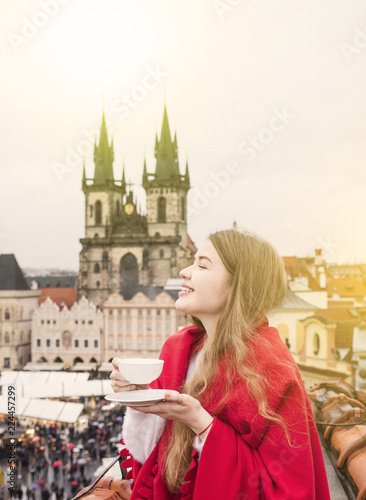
346, 287
296, 270
61, 296
337, 314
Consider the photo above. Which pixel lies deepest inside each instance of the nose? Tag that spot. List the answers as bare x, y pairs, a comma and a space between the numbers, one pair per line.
185, 273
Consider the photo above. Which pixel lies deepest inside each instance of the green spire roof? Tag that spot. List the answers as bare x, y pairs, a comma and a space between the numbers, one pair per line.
103, 157
166, 153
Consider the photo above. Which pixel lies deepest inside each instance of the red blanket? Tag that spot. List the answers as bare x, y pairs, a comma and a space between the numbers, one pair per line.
245, 457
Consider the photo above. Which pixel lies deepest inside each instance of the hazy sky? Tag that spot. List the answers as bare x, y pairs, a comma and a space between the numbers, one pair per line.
273, 93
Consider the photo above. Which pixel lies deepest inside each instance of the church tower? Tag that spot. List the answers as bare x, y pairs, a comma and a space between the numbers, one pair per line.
166, 206
123, 248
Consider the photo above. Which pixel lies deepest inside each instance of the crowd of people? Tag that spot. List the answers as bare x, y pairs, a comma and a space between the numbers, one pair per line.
53, 461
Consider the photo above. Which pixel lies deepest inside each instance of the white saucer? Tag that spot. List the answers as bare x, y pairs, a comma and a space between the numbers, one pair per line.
137, 398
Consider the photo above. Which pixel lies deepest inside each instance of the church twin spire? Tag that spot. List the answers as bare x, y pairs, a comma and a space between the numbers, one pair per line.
167, 172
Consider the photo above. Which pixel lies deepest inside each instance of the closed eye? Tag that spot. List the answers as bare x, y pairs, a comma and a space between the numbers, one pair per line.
202, 267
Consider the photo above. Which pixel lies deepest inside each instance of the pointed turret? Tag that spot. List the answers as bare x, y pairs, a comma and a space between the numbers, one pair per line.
103, 157
186, 176
144, 174
167, 169
84, 178
123, 183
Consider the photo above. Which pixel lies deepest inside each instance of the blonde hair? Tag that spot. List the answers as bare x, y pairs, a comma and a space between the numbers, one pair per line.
258, 286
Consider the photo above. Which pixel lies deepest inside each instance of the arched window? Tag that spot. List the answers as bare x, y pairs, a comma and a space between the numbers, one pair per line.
183, 209
58, 360
98, 212
316, 344
97, 268
129, 274
161, 209
7, 313
105, 260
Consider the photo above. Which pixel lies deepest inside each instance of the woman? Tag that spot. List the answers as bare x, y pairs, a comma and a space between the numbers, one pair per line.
236, 422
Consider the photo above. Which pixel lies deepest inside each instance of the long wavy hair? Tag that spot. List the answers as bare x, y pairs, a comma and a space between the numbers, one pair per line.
258, 286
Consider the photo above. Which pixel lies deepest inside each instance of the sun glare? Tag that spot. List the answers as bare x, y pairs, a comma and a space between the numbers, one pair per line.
104, 39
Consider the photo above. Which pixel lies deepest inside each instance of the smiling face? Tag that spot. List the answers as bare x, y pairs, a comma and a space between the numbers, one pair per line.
205, 287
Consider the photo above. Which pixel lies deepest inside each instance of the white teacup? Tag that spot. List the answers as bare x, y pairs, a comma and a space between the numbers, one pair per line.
140, 370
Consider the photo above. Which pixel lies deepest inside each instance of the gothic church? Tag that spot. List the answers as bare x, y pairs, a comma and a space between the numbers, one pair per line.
123, 248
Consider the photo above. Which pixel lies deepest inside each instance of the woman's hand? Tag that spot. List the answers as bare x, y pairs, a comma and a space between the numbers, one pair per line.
181, 408
120, 384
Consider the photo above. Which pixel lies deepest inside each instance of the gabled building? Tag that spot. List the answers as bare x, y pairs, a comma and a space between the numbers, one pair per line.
17, 303
67, 338
125, 246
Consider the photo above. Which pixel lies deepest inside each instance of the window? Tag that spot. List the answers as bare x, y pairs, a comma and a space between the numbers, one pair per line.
76, 343
21, 336
7, 313
167, 312
316, 344
57, 342
161, 253
95, 344
98, 284
161, 209
128, 326
128, 343
48, 342
119, 327
167, 327
38, 342
149, 343
140, 312
98, 212
128, 312
105, 260
148, 326
110, 312
110, 342
148, 312
86, 343
7, 338
158, 312
6, 362
140, 343
158, 327
120, 342
139, 326
119, 312
91, 210
158, 343
183, 209
90, 322
96, 268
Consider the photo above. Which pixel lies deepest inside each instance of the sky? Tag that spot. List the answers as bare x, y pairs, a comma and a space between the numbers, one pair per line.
267, 99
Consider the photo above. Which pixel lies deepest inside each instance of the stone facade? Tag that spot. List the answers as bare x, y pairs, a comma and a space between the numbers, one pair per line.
67, 336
